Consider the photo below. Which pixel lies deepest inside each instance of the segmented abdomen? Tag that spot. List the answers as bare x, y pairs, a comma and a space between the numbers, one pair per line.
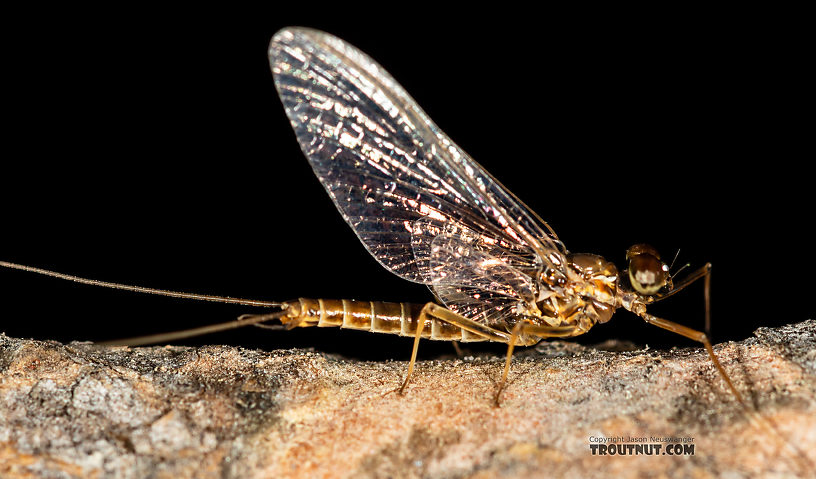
374, 316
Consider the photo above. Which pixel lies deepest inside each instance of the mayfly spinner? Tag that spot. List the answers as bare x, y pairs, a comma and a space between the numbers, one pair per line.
430, 214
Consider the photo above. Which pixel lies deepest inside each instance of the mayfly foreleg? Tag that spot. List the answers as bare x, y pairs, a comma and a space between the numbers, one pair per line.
752, 414
703, 272
698, 336
525, 327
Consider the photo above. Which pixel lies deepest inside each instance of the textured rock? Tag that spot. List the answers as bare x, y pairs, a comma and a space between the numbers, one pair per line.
85, 410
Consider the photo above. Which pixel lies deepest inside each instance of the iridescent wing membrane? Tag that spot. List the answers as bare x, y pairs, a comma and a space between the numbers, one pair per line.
420, 205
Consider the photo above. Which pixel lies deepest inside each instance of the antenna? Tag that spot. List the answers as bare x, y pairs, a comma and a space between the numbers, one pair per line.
675, 259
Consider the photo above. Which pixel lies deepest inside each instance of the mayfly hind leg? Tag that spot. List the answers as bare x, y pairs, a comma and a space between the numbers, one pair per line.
525, 327
434, 311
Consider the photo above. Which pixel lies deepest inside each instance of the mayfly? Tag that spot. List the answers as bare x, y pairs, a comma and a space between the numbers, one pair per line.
430, 214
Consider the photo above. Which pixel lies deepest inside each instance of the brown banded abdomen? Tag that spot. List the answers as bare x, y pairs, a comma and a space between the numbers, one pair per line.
373, 316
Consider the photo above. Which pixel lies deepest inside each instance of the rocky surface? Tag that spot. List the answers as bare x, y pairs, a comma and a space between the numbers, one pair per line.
82, 410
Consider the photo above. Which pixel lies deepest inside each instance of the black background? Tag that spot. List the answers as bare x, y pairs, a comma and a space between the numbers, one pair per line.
148, 146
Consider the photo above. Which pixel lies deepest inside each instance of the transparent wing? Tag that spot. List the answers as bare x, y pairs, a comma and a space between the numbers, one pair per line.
476, 281
486, 242
492, 309
419, 204
395, 177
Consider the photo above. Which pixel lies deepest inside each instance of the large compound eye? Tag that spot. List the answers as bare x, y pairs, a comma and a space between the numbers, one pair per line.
640, 249
646, 272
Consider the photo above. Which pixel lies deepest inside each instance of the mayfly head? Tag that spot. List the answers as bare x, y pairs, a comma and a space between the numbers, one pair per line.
647, 273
